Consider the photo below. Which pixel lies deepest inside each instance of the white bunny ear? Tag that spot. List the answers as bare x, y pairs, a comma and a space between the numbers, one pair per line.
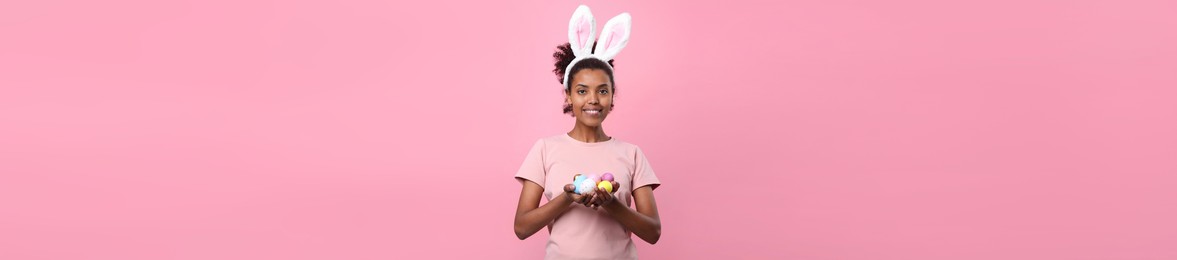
613, 37
582, 30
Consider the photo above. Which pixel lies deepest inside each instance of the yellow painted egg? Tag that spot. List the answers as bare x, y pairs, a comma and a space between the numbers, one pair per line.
606, 185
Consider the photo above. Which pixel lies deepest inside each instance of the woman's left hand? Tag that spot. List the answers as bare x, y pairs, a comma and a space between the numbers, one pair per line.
600, 197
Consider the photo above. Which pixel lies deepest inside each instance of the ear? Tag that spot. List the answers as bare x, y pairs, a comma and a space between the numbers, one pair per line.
613, 37
582, 30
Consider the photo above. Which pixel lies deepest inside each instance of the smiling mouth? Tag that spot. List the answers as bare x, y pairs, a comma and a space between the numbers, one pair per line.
592, 112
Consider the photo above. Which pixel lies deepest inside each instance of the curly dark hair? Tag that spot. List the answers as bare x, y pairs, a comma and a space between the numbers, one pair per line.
564, 55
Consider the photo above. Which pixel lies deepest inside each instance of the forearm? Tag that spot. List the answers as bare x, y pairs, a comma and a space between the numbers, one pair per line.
648, 228
527, 223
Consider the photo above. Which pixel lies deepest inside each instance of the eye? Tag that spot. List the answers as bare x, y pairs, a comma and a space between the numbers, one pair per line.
604, 91
580, 91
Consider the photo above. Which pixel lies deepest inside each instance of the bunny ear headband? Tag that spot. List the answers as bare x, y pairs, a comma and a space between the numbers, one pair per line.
582, 31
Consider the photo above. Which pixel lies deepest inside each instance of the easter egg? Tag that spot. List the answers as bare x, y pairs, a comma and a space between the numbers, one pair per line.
585, 186
607, 177
608, 186
580, 178
594, 178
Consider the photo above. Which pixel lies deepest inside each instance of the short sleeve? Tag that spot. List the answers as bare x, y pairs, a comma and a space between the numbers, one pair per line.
643, 174
533, 165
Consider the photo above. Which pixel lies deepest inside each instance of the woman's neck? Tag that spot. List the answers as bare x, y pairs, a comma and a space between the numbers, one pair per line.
588, 134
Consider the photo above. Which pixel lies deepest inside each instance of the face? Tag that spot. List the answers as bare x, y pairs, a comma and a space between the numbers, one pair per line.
591, 96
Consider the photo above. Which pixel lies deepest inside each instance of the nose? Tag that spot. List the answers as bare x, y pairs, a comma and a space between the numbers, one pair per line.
593, 100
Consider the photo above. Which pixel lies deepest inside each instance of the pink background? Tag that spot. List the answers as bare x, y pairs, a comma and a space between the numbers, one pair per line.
783, 130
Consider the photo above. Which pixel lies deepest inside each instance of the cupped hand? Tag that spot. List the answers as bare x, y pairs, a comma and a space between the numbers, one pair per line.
570, 190
600, 196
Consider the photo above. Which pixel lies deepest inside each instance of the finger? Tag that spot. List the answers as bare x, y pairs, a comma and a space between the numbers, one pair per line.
569, 188
593, 198
616, 186
605, 197
574, 176
600, 197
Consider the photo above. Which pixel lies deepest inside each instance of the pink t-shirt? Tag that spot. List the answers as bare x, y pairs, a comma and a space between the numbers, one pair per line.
581, 232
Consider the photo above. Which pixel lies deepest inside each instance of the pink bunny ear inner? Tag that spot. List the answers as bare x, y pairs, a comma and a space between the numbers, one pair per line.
614, 38
583, 30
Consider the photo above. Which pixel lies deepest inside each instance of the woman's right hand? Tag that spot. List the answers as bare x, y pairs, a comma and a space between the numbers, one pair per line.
570, 191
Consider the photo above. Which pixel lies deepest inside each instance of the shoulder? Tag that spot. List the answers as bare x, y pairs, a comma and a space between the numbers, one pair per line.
623, 143
629, 148
550, 140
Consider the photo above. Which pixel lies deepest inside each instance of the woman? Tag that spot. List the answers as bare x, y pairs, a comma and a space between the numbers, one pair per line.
597, 223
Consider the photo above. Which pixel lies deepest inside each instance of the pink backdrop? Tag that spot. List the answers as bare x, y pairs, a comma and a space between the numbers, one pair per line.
781, 129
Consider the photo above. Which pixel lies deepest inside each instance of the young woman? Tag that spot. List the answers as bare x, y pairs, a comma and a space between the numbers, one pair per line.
592, 224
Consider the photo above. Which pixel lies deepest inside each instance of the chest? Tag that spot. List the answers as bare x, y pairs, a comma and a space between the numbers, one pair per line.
562, 172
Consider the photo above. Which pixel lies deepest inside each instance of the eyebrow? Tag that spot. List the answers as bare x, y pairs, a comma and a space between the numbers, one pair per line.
599, 86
